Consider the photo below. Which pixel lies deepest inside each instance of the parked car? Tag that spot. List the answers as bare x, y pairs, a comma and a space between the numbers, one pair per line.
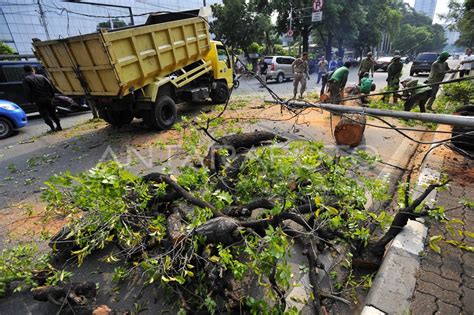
279, 68
11, 117
11, 88
405, 60
422, 63
382, 63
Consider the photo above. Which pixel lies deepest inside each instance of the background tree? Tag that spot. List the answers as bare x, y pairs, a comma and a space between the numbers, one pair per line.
5, 49
461, 19
301, 19
382, 17
238, 26
418, 33
115, 22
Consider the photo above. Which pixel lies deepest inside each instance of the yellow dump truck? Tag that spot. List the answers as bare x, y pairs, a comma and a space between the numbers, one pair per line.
141, 71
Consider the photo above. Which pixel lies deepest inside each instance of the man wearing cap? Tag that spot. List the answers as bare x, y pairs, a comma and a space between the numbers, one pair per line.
394, 71
300, 70
417, 95
366, 65
438, 69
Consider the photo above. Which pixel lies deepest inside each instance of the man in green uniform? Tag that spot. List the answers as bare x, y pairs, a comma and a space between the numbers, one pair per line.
366, 65
300, 70
394, 71
418, 96
337, 82
438, 69
366, 85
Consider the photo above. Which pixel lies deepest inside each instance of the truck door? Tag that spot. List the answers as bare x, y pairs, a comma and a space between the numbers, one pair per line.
224, 65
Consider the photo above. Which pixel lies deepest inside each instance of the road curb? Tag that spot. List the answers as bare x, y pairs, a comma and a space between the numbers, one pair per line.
395, 282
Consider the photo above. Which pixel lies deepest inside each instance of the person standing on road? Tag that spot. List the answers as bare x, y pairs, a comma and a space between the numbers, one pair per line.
366, 65
300, 70
38, 89
394, 71
322, 68
262, 71
332, 65
466, 63
417, 96
438, 69
337, 82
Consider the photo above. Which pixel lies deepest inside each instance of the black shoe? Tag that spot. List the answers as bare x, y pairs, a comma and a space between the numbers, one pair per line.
58, 128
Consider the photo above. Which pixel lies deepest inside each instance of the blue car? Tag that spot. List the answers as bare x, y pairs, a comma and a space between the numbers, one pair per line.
11, 117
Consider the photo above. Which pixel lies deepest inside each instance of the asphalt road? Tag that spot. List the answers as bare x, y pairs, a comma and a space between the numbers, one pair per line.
36, 127
250, 86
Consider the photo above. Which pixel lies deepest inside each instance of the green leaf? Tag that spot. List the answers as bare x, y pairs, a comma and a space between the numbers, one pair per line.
469, 234
433, 243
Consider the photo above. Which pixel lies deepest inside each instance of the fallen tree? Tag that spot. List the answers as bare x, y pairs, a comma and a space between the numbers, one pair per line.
190, 234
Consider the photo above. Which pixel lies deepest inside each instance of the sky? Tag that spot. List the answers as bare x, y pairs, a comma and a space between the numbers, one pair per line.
441, 8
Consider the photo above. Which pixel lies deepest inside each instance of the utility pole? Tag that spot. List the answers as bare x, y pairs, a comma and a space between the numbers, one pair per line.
43, 19
203, 3
291, 27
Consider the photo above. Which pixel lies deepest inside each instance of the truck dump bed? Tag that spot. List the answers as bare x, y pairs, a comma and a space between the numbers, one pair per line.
115, 63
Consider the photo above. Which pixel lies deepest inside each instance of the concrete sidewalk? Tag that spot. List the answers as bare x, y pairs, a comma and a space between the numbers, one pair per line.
445, 282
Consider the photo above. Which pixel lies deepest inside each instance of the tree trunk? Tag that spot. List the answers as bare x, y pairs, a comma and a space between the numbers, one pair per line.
328, 47
305, 37
220, 230
350, 130
78, 296
235, 142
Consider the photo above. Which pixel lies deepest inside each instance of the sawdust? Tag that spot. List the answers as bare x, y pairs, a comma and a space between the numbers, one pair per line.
25, 221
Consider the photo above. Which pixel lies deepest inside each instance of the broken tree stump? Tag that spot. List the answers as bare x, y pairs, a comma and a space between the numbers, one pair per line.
350, 130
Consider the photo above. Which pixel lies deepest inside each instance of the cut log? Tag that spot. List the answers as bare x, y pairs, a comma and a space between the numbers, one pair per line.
77, 294
350, 130
220, 230
234, 143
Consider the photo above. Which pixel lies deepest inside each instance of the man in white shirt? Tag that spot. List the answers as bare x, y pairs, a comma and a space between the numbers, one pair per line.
466, 63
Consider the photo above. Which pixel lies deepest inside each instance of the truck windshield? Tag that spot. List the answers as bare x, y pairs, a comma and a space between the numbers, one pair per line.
222, 55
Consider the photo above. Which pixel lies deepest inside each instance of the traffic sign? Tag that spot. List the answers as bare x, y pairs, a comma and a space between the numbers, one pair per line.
317, 16
289, 33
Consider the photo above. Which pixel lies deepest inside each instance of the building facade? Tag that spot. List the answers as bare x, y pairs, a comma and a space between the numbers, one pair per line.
427, 7
22, 20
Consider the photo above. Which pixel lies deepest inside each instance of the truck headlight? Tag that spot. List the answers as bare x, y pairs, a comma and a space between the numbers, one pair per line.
7, 106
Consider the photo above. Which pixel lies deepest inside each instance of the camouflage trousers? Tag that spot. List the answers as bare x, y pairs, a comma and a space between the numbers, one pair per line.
299, 78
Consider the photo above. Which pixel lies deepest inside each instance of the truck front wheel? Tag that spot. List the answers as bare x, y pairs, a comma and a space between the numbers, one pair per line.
221, 93
163, 115
117, 118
